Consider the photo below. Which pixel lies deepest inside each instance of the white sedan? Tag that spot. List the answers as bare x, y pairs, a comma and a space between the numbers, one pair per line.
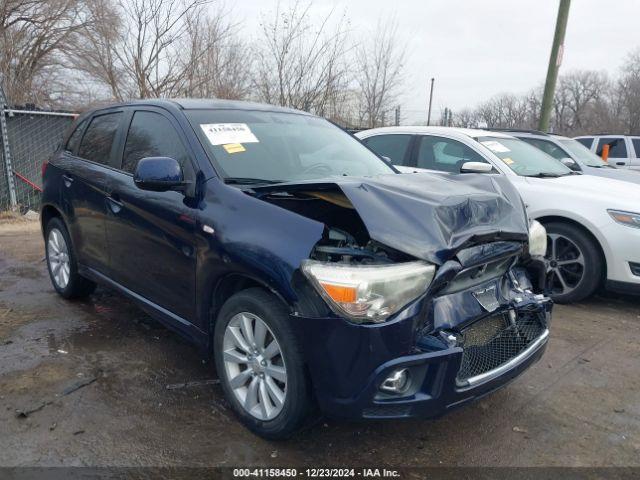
593, 224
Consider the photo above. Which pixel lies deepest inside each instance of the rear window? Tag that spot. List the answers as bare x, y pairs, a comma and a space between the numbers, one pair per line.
393, 147
587, 141
617, 147
74, 139
636, 146
98, 139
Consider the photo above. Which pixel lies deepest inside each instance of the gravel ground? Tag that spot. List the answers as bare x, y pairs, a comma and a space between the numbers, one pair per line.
86, 383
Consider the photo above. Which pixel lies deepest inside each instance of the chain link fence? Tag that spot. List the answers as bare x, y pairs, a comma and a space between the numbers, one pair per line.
28, 138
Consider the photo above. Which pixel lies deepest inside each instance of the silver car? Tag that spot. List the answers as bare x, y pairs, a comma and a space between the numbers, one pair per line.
575, 155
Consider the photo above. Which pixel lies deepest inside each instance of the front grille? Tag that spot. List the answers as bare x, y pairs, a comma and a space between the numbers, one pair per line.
493, 341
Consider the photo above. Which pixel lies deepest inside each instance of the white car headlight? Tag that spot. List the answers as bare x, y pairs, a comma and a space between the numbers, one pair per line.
626, 218
537, 239
369, 293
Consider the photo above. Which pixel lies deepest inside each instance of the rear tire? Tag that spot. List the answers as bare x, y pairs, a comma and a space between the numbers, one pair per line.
576, 265
281, 398
62, 262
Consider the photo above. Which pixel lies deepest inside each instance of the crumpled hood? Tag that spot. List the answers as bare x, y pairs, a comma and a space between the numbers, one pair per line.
430, 215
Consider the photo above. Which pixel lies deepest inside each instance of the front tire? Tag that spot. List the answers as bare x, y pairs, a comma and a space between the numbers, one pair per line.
62, 262
576, 265
260, 365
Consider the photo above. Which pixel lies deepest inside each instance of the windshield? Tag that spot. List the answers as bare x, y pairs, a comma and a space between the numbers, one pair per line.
254, 147
582, 153
523, 159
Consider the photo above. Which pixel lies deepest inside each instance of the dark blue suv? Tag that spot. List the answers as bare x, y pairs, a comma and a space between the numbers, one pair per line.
313, 271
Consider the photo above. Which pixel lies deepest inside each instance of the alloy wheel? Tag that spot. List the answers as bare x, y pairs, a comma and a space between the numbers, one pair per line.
566, 264
58, 258
254, 366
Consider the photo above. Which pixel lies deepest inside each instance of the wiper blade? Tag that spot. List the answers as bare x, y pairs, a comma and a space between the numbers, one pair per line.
250, 181
544, 175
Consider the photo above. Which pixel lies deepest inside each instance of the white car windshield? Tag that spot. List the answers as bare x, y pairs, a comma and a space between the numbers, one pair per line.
583, 154
523, 159
249, 147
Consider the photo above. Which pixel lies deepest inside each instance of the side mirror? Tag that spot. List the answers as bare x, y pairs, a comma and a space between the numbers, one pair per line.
569, 162
159, 174
476, 167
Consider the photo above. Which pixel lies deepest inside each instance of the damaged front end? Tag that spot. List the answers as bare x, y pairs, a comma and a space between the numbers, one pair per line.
416, 299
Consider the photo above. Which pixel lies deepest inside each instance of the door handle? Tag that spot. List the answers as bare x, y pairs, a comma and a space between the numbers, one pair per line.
114, 204
67, 180
621, 163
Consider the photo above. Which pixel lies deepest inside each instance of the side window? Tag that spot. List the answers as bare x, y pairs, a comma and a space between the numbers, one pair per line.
391, 146
636, 146
152, 135
587, 141
617, 147
547, 147
74, 138
98, 139
445, 154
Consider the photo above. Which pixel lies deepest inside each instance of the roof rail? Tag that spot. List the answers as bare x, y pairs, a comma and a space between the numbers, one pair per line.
519, 130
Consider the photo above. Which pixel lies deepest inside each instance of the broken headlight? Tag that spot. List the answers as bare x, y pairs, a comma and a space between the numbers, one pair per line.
537, 239
369, 293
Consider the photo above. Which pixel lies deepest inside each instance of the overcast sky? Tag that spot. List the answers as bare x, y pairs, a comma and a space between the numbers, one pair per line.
478, 48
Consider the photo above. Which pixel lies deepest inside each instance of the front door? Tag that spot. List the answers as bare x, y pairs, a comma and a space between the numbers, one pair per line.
151, 235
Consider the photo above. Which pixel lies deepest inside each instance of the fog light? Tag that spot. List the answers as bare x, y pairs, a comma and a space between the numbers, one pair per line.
397, 382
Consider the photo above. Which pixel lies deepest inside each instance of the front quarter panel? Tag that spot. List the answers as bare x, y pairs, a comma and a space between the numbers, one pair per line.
252, 238
618, 242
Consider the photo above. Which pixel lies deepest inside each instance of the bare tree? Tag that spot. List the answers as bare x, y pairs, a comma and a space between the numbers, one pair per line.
379, 71
217, 63
504, 111
134, 47
299, 64
580, 94
465, 118
34, 39
628, 93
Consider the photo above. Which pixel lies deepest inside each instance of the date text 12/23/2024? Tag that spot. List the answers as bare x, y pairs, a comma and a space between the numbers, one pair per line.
315, 473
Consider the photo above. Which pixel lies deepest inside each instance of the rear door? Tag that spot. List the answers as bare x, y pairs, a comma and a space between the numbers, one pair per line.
396, 147
151, 235
85, 185
618, 151
635, 160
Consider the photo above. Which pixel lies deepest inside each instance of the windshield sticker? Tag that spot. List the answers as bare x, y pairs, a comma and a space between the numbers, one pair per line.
495, 146
234, 148
226, 133
508, 161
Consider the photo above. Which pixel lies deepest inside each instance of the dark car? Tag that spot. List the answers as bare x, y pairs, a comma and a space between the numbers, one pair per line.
312, 271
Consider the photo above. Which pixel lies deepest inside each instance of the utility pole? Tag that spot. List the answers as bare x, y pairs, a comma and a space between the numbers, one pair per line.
430, 100
555, 59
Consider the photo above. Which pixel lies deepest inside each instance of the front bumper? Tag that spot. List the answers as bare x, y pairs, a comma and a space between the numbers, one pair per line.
621, 250
348, 363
